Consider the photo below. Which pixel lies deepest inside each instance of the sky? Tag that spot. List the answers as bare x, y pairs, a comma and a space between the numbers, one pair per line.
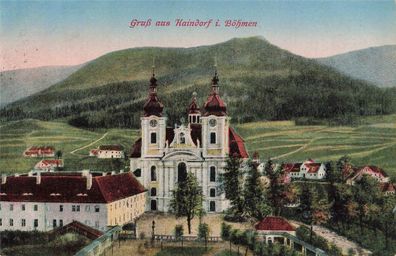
45, 33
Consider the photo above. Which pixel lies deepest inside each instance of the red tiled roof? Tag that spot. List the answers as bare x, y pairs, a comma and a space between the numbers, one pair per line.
51, 162
111, 147
313, 167
387, 187
70, 188
214, 105
291, 167
236, 143
273, 223
376, 170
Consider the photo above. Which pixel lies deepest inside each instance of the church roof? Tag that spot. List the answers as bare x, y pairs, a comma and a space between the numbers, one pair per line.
153, 106
236, 143
214, 105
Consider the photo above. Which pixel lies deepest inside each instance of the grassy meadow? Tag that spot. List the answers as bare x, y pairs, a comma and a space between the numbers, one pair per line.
373, 142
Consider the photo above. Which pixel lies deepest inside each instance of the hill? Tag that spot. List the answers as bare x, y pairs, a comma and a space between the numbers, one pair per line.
259, 81
376, 64
20, 83
373, 142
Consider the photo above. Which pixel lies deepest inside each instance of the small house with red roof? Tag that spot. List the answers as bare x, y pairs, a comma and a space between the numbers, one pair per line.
309, 170
44, 201
48, 164
272, 228
375, 172
108, 151
39, 151
166, 152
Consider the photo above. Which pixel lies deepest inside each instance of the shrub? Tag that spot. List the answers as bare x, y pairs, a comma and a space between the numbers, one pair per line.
203, 231
225, 231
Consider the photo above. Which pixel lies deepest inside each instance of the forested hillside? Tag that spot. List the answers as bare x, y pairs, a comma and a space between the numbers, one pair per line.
259, 81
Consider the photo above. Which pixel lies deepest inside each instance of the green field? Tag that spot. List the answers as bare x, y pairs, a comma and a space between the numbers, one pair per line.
373, 142
74, 143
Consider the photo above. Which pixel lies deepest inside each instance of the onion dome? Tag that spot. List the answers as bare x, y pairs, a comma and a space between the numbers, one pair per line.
153, 106
214, 105
193, 108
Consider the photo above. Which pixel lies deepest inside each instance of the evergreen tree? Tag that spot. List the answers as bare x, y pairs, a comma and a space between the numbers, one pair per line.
233, 185
255, 201
187, 199
276, 192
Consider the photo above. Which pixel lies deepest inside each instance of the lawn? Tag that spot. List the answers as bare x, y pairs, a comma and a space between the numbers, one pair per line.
373, 142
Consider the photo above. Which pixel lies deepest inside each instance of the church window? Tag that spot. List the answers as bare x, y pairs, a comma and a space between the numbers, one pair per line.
153, 192
153, 173
212, 192
212, 174
212, 138
197, 119
11, 222
138, 172
153, 139
194, 119
182, 138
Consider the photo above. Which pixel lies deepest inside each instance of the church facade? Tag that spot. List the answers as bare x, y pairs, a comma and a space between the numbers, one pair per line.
163, 155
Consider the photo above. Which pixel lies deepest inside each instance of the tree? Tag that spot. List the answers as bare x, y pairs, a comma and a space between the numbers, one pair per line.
233, 185
342, 163
203, 233
276, 192
255, 201
187, 199
387, 218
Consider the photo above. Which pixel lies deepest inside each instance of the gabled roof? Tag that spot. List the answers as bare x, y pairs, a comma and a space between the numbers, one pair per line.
237, 145
387, 187
78, 227
57, 187
291, 167
313, 167
111, 147
51, 162
274, 223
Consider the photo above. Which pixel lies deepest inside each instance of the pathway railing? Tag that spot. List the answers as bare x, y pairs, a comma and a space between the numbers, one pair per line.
99, 245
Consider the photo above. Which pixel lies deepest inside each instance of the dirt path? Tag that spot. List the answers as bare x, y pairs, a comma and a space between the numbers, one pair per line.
340, 241
90, 144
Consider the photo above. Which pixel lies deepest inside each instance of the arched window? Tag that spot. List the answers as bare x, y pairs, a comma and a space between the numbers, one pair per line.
153, 139
212, 174
212, 138
138, 172
181, 172
212, 192
153, 192
153, 174
182, 138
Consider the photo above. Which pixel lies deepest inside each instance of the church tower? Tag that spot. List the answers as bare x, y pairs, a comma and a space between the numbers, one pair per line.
153, 123
215, 123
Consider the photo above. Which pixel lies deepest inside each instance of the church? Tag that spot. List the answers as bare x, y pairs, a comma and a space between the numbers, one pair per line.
164, 154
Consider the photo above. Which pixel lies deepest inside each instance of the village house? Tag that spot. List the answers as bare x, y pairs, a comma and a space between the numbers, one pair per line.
108, 151
272, 228
49, 164
309, 170
44, 201
355, 174
42, 151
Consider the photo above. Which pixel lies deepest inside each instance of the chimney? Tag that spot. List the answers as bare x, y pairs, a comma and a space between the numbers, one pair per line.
89, 181
3, 178
113, 172
38, 178
30, 174
104, 173
121, 171
16, 174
